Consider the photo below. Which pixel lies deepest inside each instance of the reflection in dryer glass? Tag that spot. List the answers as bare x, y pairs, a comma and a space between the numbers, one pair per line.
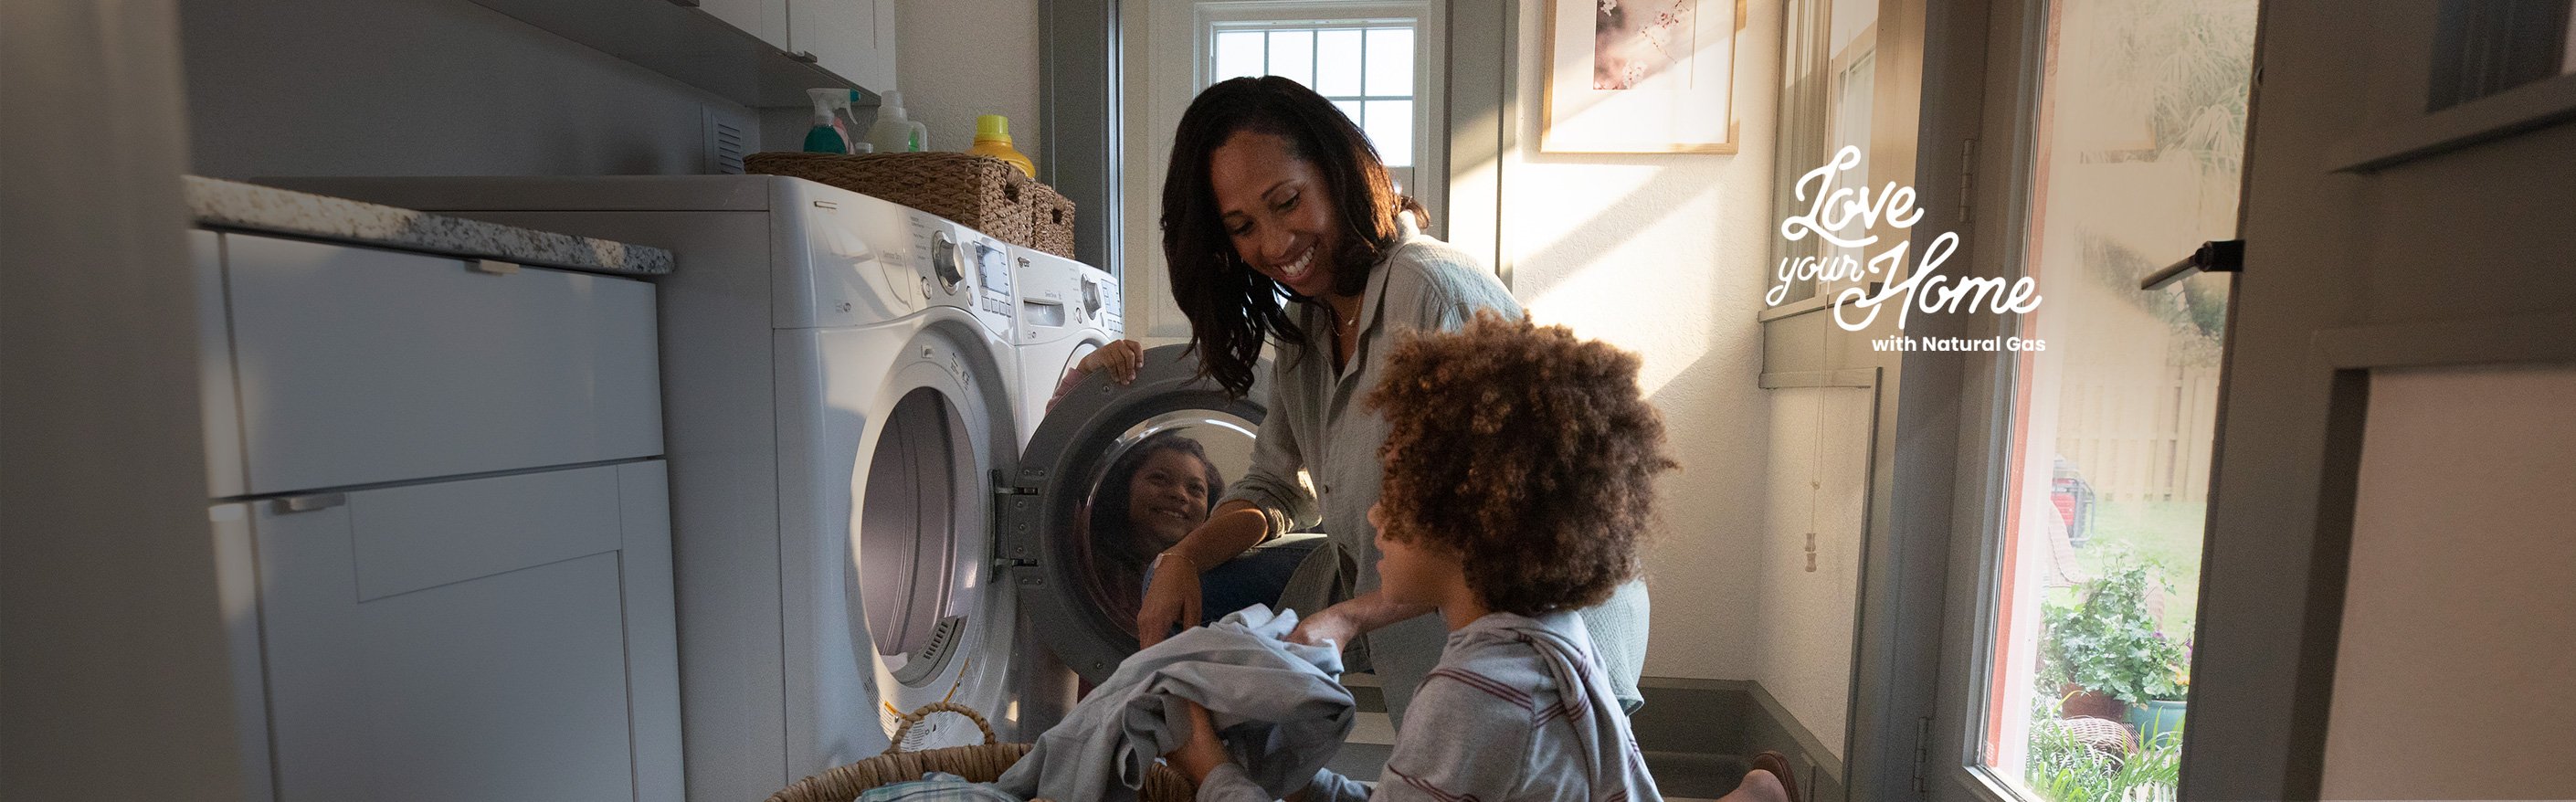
1159, 481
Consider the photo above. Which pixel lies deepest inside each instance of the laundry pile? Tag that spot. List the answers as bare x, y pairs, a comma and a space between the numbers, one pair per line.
1277, 704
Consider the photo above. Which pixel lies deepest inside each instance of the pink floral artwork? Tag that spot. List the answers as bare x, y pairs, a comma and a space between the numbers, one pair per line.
1635, 41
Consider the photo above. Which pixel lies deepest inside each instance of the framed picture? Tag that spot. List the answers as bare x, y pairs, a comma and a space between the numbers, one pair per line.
1641, 76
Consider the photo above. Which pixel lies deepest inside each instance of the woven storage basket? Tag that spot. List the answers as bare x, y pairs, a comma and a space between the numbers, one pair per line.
985, 193
983, 763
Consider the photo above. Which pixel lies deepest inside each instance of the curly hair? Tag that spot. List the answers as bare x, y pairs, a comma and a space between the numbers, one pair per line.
1528, 453
1232, 309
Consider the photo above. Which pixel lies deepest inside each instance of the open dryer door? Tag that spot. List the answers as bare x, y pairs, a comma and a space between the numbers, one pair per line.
1077, 571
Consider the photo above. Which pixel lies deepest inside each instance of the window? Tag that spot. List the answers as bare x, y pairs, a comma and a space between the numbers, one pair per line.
1364, 57
2138, 132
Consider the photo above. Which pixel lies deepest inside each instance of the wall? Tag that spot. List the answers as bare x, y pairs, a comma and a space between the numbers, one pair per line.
956, 59
1663, 255
2462, 499
118, 679
421, 87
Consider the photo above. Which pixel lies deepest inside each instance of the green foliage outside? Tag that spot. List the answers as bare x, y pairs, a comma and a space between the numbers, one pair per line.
2063, 768
2109, 641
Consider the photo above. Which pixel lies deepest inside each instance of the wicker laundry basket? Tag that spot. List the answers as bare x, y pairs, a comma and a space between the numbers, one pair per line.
982, 763
985, 193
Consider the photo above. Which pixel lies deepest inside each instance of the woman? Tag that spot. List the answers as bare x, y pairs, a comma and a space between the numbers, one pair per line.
1273, 193
1156, 493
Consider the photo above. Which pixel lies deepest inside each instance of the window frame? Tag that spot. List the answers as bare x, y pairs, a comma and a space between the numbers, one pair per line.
1425, 18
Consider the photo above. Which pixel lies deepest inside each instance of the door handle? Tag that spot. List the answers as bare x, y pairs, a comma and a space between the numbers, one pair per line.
2214, 256
317, 501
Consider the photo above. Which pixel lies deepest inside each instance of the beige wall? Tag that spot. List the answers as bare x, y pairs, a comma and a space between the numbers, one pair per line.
2462, 501
1663, 255
956, 59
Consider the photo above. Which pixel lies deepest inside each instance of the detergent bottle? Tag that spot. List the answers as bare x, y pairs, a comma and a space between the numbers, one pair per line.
893, 133
828, 134
993, 138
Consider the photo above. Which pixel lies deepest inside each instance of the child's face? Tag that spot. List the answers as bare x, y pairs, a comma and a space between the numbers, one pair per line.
1414, 573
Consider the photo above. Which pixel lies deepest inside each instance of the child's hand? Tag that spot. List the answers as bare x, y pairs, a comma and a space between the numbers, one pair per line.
1120, 358
1202, 753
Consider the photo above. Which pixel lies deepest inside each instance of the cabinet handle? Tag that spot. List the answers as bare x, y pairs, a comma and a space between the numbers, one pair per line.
804, 56
685, 3
495, 267
317, 501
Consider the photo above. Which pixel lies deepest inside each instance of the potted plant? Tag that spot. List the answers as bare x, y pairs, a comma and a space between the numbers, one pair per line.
2108, 643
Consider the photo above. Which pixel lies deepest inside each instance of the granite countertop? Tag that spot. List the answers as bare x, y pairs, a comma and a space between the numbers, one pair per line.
217, 203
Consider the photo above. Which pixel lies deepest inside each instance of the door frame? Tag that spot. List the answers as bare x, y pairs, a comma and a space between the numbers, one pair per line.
1951, 413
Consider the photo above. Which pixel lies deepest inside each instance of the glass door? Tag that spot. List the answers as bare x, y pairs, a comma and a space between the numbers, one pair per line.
2080, 576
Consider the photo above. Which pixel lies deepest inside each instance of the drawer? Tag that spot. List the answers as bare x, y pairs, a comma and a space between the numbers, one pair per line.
357, 366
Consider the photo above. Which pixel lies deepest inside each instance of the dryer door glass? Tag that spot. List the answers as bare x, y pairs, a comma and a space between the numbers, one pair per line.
1115, 475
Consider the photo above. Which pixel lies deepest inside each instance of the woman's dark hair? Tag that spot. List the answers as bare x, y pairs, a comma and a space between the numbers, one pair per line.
1117, 557
1528, 453
1231, 308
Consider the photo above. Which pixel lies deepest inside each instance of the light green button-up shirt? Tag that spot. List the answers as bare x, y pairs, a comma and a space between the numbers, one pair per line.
1318, 422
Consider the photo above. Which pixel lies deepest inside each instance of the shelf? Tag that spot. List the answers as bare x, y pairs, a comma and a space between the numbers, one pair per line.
685, 43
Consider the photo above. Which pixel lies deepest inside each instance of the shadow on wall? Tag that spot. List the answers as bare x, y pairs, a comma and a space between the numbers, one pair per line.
422, 87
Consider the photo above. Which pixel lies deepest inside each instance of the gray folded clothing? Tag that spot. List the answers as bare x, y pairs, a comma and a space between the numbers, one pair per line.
1278, 705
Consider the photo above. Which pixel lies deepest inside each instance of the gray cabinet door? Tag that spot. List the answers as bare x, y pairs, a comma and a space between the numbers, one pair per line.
360, 366
492, 639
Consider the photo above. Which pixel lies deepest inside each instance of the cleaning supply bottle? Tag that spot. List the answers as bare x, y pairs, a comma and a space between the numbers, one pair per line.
892, 133
993, 138
828, 134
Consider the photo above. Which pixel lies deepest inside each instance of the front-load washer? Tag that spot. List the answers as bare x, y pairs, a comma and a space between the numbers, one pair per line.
1067, 309
855, 524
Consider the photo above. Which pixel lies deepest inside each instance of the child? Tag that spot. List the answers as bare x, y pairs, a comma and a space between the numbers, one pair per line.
1519, 473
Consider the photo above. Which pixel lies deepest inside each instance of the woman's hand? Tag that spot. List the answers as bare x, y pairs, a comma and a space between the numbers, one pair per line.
1203, 752
1329, 625
1172, 599
1360, 615
1121, 359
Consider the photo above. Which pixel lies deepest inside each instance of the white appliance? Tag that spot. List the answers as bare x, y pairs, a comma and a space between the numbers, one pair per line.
1067, 310
857, 524
840, 392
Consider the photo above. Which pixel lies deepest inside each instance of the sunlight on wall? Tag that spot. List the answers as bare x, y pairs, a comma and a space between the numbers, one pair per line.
1663, 254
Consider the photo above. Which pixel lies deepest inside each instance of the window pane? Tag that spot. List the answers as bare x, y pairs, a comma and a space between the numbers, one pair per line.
1292, 56
1337, 63
1390, 128
2108, 483
1238, 53
1351, 109
1390, 61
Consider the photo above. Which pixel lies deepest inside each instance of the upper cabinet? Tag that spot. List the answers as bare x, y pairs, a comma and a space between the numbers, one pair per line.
759, 53
766, 19
852, 38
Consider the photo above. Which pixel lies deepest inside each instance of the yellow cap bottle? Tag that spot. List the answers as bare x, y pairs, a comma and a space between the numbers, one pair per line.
993, 138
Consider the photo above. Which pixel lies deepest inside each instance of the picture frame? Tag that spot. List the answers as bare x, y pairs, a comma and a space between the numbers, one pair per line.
1641, 76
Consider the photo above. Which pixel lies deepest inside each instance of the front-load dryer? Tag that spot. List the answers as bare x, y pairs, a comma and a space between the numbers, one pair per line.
857, 527
1067, 309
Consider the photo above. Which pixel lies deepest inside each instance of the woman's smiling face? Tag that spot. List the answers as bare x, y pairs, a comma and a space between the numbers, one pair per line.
1167, 498
1277, 211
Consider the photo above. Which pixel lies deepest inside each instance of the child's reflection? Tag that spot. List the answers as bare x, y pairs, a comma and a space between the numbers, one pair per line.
1157, 492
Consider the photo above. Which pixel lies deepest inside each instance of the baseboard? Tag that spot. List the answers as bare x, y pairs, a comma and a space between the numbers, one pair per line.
1734, 717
